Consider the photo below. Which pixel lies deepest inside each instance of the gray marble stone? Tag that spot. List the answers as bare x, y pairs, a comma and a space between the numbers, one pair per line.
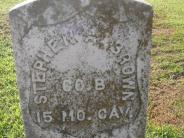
83, 67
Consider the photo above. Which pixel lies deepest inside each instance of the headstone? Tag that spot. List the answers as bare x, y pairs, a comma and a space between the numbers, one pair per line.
83, 67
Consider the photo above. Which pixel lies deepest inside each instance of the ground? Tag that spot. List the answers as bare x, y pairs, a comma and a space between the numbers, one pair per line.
166, 97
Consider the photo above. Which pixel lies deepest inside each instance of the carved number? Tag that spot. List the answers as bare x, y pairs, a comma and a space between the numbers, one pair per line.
46, 116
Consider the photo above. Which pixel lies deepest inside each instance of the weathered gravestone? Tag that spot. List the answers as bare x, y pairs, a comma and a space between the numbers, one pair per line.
83, 67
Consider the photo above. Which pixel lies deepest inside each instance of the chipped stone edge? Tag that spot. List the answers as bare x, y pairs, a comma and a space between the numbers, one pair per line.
144, 2
20, 5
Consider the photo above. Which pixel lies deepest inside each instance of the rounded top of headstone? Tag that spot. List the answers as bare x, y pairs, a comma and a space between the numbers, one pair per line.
50, 12
76, 3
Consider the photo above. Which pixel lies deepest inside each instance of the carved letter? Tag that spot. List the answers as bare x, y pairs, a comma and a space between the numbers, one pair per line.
125, 59
128, 83
45, 56
128, 70
71, 115
67, 85
40, 99
114, 113
38, 76
99, 84
81, 115
54, 46
128, 96
102, 114
39, 65
79, 85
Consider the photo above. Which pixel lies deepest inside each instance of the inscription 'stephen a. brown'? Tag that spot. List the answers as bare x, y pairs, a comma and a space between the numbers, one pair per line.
115, 111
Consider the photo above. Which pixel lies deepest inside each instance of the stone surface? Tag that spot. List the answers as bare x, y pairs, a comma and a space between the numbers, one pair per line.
83, 67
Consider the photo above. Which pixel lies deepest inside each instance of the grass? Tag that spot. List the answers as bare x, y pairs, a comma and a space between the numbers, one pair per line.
163, 132
11, 125
10, 118
166, 105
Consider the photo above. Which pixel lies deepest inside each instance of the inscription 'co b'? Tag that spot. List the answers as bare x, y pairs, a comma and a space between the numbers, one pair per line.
79, 85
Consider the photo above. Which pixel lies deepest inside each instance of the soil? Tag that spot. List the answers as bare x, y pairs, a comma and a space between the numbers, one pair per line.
162, 106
